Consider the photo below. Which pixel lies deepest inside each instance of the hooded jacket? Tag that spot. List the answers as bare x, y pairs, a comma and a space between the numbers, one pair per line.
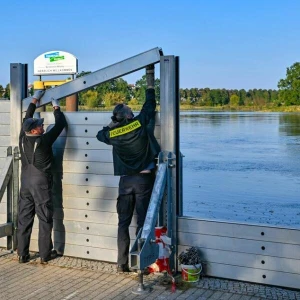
134, 146
43, 154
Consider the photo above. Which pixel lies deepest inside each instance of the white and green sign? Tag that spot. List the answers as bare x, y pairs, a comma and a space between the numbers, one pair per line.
55, 63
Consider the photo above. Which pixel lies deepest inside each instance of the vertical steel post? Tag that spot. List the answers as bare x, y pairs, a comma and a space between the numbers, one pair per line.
15, 195
9, 214
18, 91
169, 116
179, 155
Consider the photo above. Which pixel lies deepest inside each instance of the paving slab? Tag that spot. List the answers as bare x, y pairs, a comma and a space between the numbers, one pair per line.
67, 278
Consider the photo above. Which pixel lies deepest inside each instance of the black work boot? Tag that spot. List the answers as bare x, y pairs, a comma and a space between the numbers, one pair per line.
24, 259
52, 255
123, 269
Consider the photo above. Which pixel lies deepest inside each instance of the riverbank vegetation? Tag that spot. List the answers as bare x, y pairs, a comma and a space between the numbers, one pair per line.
108, 94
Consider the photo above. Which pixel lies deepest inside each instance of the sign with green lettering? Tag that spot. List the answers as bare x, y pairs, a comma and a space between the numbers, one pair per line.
52, 59
55, 63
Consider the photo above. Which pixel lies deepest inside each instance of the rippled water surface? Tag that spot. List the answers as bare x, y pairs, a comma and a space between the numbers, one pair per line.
241, 167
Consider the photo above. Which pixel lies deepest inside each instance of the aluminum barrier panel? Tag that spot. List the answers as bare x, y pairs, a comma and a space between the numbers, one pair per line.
4, 143
261, 254
85, 189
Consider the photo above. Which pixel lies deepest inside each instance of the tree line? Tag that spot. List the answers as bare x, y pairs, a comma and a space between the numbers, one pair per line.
119, 90
5, 91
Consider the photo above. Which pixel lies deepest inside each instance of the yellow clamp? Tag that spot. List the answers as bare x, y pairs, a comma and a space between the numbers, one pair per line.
41, 85
38, 85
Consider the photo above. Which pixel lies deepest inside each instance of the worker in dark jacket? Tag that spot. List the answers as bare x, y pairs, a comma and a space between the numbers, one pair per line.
36, 180
134, 151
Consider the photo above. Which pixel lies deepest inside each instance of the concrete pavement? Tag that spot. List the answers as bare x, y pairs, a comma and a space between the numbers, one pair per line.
71, 278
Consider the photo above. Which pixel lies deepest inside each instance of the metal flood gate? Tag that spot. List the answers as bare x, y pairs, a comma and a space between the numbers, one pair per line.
85, 220
85, 190
8, 178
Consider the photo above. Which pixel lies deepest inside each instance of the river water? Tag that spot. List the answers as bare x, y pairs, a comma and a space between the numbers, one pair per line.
241, 167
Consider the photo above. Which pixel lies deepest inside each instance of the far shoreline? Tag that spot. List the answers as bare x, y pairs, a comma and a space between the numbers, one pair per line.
225, 108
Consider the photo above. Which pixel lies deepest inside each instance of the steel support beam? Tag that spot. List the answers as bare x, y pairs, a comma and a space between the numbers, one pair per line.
18, 91
144, 251
169, 116
6, 230
116, 70
9, 212
5, 175
156, 196
15, 195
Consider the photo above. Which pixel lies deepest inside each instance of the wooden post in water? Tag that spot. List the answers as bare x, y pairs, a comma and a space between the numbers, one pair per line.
72, 101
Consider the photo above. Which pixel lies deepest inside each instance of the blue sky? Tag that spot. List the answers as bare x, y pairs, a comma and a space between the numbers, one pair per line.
230, 44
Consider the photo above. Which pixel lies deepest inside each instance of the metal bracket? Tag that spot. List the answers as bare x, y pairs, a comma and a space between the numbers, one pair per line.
40, 85
144, 250
17, 156
170, 162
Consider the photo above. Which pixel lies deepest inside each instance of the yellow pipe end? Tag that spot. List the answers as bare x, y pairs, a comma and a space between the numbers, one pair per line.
38, 85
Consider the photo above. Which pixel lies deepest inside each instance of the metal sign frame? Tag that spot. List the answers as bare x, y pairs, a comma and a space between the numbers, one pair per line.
90, 80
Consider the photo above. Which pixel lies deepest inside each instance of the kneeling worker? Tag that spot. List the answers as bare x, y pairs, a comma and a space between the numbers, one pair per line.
36, 180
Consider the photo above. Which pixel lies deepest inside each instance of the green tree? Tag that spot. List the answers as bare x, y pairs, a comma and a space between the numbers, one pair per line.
90, 98
249, 98
224, 97
206, 97
133, 101
273, 95
114, 86
140, 89
242, 96
289, 88
266, 96
30, 91
113, 98
182, 95
194, 95
122, 86
218, 97
2, 91
7, 91
82, 97
234, 100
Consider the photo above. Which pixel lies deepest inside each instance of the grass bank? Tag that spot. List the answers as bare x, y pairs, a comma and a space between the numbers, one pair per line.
266, 108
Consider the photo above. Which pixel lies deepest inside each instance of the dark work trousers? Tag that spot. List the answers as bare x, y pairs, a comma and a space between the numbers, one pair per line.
35, 197
134, 193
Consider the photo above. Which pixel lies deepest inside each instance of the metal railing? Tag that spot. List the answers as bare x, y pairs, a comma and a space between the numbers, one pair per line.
9, 182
